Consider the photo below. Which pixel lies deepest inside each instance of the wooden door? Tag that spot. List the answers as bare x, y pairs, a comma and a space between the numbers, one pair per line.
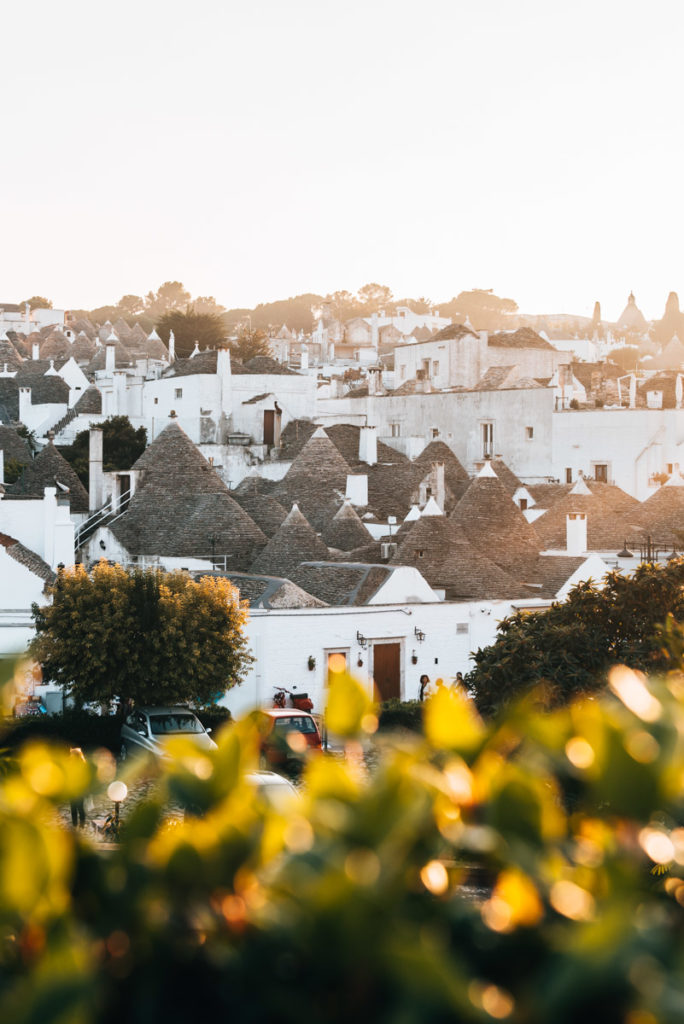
269, 426
387, 670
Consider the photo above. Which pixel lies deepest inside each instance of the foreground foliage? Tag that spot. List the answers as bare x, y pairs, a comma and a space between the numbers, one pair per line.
349, 904
571, 646
147, 636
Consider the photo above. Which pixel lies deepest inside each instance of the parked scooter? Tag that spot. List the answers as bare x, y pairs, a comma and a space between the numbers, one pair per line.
300, 701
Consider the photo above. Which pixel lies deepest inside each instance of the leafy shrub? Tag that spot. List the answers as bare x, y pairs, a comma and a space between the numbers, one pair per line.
401, 714
350, 905
73, 728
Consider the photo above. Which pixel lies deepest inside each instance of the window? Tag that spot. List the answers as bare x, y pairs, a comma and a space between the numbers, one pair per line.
419, 552
487, 440
156, 401
523, 504
568, 475
529, 433
435, 432
395, 429
402, 372
178, 393
461, 628
435, 367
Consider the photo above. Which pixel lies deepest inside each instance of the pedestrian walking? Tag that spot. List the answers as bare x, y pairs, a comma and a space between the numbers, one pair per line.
78, 817
424, 683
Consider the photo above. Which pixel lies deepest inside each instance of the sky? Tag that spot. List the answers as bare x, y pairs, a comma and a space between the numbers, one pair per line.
264, 148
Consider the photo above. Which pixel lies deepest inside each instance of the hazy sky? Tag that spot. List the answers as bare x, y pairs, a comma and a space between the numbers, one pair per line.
263, 148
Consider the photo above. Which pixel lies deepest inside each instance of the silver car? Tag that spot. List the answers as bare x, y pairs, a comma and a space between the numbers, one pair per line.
145, 730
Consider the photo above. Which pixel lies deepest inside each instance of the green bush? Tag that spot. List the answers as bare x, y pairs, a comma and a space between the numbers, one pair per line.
73, 728
401, 714
349, 904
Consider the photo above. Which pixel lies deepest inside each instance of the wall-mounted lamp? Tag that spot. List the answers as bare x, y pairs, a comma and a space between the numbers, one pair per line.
420, 636
311, 662
360, 639
359, 661
414, 658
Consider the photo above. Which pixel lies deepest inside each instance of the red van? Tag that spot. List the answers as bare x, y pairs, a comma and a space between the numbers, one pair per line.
288, 735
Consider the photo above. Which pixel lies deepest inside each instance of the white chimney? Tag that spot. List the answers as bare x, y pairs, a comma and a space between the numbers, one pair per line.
110, 357
49, 516
64, 546
35, 350
304, 365
576, 533
95, 478
368, 446
2, 467
25, 406
357, 489
225, 376
375, 333
172, 347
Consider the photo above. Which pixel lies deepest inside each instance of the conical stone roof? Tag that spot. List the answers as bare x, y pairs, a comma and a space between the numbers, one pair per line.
494, 524
316, 479
438, 451
603, 505
661, 517
439, 549
345, 531
295, 541
50, 469
181, 507
266, 512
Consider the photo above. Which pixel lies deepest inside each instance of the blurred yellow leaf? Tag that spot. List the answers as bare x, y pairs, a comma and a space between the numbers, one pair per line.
348, 705
451, 721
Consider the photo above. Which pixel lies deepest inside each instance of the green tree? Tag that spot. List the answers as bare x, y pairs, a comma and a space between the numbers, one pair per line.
122, 445
131, 305
485, 310
189, 326
208, 304
374, 296
571, 646
13, 470
170, 295
38, 302
626, 358
250, 342
146, 636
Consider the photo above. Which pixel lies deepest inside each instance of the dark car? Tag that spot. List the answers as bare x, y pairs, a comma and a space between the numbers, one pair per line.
145, 730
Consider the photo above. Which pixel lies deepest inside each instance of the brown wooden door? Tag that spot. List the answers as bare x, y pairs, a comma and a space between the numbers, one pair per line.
269, 426
387, 670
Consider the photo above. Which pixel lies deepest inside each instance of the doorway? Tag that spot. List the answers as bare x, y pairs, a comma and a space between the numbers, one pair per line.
387, 670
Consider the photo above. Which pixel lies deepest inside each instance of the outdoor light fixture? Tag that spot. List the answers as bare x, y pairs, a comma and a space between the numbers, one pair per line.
117, 793
361, 639
420, 636
414, 658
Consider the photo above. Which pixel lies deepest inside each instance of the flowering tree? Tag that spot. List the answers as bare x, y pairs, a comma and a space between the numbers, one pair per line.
146, 635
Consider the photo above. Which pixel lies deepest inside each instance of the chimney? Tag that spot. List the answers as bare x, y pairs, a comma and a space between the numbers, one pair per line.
110, 357
95, 478
375, 333
304, 365
49, 516
172, 347
357, 489
35, 350
27, 307
225, 376
25, 406
436, 484
368, 446
576, 533
64, 549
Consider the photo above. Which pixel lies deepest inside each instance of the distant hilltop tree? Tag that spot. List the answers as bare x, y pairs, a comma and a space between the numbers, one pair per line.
37, 302
485, 310
208, 330
250, 342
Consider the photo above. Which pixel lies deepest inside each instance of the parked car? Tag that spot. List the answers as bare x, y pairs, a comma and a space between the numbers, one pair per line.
287, 736
146, 730
276, 790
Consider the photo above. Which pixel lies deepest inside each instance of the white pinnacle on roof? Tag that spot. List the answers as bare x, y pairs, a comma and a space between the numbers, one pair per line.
51, 372
412, 514
432, 508
318, 432
112, 337
674, 480
195, 351
580, 487
487, 470
153, 336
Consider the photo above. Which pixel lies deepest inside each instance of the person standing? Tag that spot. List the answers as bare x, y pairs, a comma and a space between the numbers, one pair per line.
424, 683
78, 817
